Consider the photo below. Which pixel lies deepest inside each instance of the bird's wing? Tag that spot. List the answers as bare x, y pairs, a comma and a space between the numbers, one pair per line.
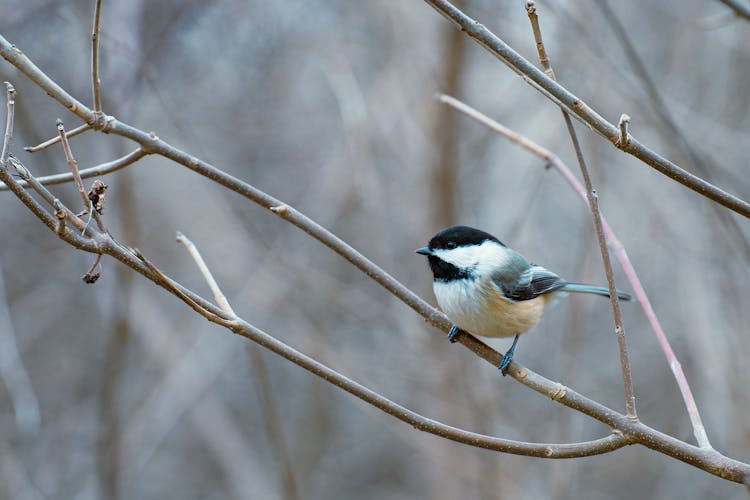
530, 283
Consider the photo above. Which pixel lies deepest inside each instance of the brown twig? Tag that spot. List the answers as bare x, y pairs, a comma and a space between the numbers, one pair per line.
95, 82
594, 206
49, 142
616, 247
73, 164
579, 108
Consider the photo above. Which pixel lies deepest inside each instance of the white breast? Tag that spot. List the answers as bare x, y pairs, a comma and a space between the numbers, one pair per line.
477, 307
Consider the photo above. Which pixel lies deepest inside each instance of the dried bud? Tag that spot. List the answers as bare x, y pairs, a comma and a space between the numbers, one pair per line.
91, 277
96, 195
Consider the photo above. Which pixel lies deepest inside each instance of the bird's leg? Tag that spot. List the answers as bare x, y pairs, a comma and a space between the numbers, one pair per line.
453, 333
508, 357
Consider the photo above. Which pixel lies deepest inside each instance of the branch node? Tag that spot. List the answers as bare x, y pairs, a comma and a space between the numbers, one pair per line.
281, 210
624, 139
560, 391
60, 215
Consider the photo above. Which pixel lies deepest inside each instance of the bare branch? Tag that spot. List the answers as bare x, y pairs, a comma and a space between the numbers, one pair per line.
49, 142
576, 106
594, 206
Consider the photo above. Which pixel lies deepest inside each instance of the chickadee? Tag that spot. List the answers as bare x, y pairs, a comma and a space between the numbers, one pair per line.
490, 290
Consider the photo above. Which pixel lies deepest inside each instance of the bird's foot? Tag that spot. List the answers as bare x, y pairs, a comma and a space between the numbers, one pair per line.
507, 358
453, 333
505, 362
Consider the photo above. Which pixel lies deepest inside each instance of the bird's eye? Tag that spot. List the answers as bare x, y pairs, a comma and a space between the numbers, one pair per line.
451, 245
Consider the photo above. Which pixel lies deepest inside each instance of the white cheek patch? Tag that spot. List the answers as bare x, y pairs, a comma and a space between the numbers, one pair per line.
485, 257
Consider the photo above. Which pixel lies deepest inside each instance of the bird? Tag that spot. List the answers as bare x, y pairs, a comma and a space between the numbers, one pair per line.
488, 289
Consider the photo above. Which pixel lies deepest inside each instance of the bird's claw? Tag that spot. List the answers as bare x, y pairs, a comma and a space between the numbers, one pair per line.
505, 363
453, 333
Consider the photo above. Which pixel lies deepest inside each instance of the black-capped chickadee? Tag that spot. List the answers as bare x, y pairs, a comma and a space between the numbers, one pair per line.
490, 290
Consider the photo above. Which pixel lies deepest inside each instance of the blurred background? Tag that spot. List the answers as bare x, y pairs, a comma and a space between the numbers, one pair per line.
118, 390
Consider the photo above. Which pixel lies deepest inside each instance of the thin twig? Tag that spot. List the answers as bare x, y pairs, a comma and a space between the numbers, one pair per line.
10, 92
616, 247
594, 205
73, 164
96, 83
574, 105
95, 171
219, 296
49, 142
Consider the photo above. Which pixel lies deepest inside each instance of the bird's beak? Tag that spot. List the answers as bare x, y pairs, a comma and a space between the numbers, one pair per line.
423, 251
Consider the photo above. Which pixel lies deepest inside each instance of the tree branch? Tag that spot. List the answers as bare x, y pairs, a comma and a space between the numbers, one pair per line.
579, 108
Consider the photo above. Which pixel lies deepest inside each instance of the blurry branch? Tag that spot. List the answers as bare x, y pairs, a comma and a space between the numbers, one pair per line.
96, 171
578, 108
445, 163
593, 200
740, 9
95, 82
615, 245
625, 430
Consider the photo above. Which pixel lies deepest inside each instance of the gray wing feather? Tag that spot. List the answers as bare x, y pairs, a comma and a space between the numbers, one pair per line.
530, 283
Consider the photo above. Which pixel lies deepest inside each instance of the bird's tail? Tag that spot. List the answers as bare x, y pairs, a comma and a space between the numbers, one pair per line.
598, 290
